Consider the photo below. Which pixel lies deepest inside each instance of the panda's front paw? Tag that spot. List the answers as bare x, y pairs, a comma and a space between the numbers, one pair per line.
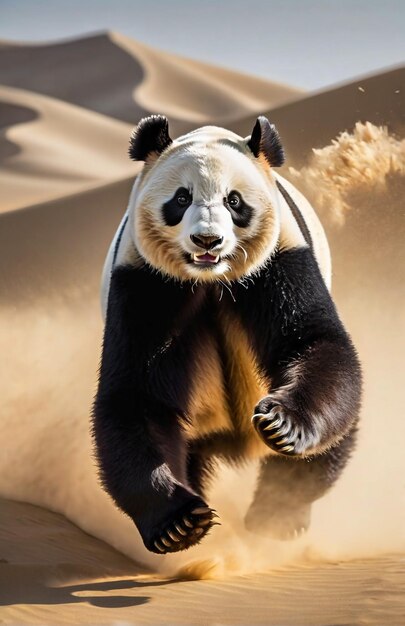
281, 430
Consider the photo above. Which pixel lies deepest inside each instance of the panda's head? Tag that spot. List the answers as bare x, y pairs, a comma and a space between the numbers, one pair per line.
204, 206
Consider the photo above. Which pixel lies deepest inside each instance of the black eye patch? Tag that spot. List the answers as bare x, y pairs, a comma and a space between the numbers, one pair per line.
241, 212
174, 209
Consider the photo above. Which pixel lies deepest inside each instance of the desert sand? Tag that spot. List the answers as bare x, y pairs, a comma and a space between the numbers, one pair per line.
51, 572
67, 555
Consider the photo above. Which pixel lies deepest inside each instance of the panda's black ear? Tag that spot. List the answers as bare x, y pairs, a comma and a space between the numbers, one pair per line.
150, 136
265, 140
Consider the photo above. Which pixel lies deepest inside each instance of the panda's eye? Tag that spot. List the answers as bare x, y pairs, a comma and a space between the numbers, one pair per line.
183, 197
234, 200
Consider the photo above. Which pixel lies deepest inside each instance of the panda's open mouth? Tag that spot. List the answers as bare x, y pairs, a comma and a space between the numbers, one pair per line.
205, 259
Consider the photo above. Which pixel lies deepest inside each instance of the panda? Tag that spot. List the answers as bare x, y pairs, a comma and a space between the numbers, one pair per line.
221, 340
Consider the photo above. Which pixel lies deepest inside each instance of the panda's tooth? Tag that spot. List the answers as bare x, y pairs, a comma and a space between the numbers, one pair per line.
197, 258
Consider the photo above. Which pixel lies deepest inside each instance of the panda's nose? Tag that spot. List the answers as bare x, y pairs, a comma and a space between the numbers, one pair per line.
208, 242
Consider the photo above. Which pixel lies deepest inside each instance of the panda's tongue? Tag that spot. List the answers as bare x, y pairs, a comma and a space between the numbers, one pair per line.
205, 258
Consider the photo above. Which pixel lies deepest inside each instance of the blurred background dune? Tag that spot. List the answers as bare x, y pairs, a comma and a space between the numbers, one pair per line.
66, 112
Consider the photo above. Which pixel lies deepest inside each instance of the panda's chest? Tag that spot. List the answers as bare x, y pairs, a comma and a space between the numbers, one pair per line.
226, 383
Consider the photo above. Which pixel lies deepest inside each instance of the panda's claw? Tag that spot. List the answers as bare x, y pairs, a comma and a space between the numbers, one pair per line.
271, 426
180, 530
187, 523
287, 448
277, 434
173, 536
165, 542
158, 546
201, 510
274, 424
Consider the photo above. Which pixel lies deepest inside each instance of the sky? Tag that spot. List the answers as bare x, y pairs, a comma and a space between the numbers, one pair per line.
304, 43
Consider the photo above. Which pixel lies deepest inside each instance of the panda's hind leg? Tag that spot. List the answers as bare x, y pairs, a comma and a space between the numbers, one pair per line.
286, 488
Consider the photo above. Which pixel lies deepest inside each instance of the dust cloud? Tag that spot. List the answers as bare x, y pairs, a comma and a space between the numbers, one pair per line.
362, 160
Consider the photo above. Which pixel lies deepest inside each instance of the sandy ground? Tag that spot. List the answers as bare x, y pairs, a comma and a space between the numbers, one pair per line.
65, 184
51, 572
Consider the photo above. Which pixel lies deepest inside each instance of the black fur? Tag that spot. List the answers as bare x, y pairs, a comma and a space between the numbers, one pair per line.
266, 140
154, 330
141, 399
243, 214
150, 136
173, 211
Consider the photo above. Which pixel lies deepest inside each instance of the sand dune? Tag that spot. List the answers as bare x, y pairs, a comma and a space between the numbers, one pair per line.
65, 168
55, 99
52, 148
116, 76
